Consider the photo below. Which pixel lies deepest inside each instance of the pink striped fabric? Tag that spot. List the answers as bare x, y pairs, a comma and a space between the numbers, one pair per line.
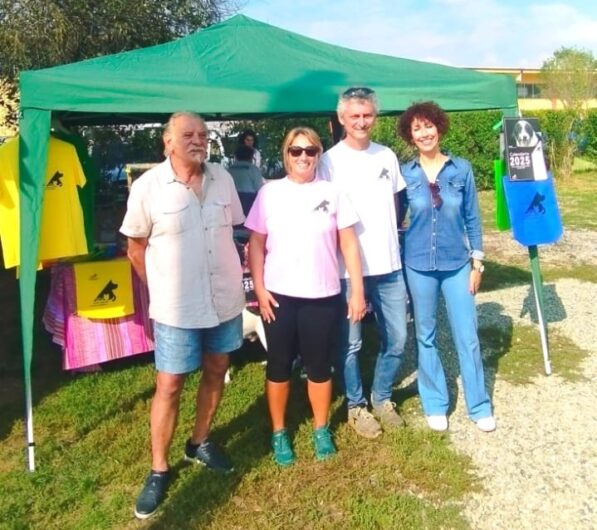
89, 342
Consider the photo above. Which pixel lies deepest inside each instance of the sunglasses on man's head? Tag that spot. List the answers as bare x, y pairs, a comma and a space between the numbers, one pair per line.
358, 92
436, 198
310, 151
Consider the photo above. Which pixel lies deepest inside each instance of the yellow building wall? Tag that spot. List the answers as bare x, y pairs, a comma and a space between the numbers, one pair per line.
531, 76
526, 104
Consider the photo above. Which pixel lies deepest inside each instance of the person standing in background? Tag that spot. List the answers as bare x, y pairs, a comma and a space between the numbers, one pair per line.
249, 138
247, 177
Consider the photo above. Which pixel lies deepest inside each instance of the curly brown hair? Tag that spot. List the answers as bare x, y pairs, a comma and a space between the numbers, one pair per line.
423, 110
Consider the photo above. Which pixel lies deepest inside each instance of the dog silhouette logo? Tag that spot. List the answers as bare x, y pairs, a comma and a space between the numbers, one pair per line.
385, 174
56, 180
536, 204
107, 293
323, 206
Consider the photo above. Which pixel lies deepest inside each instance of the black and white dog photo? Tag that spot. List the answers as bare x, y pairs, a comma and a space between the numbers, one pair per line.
524, 135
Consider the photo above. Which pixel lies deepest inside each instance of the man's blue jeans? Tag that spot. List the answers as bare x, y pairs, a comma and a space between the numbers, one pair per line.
387, 295
425, 287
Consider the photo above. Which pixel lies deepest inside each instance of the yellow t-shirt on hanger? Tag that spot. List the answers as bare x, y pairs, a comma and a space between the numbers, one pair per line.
9, 202
62, 232
62, 225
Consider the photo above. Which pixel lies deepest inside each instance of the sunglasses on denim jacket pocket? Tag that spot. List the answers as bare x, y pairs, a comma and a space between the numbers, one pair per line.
296, 151
436, 198
358, 92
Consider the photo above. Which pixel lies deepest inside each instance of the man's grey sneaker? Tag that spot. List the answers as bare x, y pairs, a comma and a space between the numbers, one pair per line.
387, 415
363, 422
152, 494
322, 443
208, 454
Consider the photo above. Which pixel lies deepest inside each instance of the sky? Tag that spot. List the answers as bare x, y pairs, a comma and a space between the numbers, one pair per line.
466, 33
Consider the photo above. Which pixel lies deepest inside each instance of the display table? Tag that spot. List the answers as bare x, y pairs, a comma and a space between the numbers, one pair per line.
88, 342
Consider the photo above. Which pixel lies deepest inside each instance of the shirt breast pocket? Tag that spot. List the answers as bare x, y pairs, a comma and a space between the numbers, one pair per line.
175, 219
217, 214
413, 190
455, 187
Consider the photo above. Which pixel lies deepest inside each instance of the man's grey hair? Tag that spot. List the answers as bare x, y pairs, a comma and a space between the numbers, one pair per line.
176, 115
170, 124
358, 94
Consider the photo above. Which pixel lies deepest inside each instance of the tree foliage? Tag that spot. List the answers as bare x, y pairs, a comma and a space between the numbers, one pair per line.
569, 76
42, 33
8, 106
112, 147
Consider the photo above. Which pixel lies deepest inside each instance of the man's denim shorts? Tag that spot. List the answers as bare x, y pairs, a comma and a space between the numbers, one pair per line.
179, 351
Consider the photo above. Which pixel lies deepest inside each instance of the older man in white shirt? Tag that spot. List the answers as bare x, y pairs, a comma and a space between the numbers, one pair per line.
179, 223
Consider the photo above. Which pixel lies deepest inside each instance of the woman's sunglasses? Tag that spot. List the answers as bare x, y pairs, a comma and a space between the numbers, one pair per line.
436, 198
296, 151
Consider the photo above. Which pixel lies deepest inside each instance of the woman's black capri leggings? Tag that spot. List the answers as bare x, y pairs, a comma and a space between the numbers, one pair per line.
305, 326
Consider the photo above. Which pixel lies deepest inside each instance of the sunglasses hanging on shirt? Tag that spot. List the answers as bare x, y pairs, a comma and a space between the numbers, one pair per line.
436, 198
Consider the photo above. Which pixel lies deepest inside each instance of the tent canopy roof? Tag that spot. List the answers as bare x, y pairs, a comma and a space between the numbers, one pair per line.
245, 68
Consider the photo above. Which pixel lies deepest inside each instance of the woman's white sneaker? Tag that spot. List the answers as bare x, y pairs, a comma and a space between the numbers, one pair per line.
438, 423
486, 424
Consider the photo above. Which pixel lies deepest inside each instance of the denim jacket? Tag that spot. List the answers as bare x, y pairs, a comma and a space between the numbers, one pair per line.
442, 238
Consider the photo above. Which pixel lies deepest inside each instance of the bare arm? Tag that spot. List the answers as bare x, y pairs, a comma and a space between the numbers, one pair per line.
136, 254
475, 277
256, 264
349, 246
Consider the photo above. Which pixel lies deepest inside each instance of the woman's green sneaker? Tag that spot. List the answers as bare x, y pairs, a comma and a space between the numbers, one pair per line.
322, 443
283, 454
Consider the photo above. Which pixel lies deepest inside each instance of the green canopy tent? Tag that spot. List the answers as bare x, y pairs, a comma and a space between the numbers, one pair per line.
239, 68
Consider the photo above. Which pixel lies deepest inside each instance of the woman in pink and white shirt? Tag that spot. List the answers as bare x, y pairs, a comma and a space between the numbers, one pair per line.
297, 225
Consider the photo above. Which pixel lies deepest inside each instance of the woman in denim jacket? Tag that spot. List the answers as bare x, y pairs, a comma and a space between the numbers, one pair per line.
443, 251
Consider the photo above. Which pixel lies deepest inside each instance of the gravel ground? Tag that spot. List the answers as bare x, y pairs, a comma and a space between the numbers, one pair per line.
575, 246
539, 468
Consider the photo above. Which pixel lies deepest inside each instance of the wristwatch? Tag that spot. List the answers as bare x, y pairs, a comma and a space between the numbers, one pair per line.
479, 268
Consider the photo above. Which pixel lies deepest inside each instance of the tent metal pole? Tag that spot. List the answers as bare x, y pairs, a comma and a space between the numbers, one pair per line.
29, 427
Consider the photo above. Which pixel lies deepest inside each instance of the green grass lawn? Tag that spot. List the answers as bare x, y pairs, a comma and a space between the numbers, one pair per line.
92, 440
92, 454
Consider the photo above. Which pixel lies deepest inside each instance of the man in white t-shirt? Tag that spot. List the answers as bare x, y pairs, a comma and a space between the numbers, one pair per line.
370, 176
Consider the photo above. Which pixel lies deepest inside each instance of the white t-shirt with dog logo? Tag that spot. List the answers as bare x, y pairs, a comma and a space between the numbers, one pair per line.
370, 178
